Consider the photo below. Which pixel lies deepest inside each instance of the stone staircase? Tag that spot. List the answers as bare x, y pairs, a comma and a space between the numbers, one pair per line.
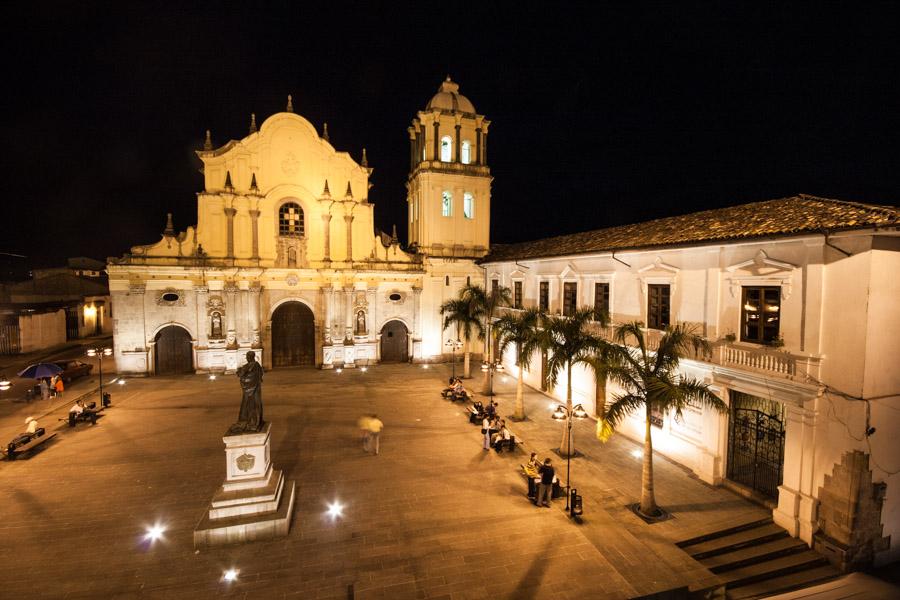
759, 559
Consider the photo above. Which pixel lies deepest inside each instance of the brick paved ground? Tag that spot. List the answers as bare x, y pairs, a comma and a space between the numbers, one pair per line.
434, 516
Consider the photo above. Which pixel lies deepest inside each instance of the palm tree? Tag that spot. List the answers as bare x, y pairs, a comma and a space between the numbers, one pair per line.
467, 319
485, 305
519, 329
567, 342
650, 380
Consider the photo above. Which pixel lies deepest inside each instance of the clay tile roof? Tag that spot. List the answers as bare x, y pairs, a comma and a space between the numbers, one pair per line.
785, 216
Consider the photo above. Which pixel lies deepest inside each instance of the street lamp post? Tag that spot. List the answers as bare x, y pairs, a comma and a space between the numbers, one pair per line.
489, 368
100, 352
454, 345
563, 414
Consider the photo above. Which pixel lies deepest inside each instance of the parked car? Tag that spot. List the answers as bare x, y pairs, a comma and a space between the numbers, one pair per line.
72, 369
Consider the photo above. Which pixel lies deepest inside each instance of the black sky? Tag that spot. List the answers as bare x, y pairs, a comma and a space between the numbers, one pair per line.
601, 115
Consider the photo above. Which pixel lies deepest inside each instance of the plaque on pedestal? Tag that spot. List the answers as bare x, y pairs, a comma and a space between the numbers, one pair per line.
254, 502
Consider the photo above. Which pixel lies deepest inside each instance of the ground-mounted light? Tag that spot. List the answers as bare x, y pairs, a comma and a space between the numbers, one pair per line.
637, 453
154, 532
335, 510
230, 575
339, 370
212, 377
425, 367
504, 379
121, 381
364, 369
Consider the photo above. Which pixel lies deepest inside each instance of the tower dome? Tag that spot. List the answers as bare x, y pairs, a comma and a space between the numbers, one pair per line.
449, 98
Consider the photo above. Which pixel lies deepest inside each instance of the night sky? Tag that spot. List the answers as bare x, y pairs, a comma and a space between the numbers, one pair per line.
598, 119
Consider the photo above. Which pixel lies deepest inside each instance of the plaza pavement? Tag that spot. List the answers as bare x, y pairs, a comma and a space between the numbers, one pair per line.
433, 516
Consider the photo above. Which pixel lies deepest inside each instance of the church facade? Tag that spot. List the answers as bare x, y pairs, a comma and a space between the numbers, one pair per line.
285, 260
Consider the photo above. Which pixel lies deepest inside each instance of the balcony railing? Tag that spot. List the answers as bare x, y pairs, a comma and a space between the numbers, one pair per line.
770, 361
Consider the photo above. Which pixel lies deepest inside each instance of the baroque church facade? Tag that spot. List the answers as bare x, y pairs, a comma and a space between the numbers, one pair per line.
285, 260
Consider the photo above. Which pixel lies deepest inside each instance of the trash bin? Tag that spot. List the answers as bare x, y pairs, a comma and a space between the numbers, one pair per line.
575, 504
71, 419
106, 399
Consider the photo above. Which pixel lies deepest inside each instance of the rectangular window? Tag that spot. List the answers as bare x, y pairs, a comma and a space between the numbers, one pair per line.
446, 204
760, 314
658, 303
544, 298
601, 298
495, 285
517, 294
468, 205
570, 298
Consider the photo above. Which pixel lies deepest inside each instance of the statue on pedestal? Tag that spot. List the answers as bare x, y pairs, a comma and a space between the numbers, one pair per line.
250, 419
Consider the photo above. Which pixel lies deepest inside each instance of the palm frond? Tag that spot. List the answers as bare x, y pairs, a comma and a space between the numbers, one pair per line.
622, 406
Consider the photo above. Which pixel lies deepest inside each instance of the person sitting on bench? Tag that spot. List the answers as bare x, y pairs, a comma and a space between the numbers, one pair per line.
455, 386
78, 411
501, 438
31, 425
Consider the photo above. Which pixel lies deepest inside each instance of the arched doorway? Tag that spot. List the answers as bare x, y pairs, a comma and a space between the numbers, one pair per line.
174, 351
293, 336
394, 344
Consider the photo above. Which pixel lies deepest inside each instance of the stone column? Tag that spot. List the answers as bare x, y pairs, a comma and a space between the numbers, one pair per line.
484, 133
254, 219
348, 313
417, 311
420, 144
253, 315
372, 317
326, 224
328, 295
437, 138
229, 213
413, 144
202, 292
348, 219
458, 151
231, 313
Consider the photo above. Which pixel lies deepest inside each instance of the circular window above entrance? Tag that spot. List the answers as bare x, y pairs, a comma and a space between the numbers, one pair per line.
396, 297
170, 297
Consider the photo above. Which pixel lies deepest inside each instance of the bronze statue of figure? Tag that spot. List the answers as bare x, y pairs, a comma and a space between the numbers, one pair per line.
251, 417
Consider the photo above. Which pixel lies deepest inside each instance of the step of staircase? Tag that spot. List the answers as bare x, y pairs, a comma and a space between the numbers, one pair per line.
736, 541
772, 568
750, 555
723, 532
784, 583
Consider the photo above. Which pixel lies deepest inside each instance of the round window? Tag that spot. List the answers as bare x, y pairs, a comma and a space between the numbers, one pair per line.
170, 297
395, 297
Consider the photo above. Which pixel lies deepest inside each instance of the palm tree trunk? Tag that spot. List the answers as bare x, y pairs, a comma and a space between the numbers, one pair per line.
648, 500
520, 396
466, 362
600, 397
564, 446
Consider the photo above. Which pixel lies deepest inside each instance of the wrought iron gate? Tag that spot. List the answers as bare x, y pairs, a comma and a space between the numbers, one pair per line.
756, 443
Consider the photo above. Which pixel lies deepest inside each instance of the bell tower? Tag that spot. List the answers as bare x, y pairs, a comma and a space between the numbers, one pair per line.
449, 185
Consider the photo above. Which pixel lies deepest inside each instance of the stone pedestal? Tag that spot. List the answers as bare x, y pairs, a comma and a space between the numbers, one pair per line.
255, 502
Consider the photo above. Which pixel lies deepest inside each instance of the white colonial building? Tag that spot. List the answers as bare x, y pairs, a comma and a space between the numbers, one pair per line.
799, 297
285, 259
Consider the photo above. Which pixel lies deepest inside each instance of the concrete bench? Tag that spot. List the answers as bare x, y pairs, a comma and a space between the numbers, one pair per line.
26, 442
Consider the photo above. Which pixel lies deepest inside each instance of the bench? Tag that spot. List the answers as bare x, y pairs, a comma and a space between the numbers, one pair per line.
26, 442
512, 443
90, 413
475, 415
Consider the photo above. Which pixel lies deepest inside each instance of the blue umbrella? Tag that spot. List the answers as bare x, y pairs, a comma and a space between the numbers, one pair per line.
40, 370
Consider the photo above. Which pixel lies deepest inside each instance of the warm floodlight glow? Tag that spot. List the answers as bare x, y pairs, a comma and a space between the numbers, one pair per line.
637, 453
504, 379
92, 352
484, 367
121, 382
155, 532
364, 369
212, 377
339, 370
578, 412
560, 413
4, 382
107, 352
230, 575
424, 366
90, 312
499, 367
335, 510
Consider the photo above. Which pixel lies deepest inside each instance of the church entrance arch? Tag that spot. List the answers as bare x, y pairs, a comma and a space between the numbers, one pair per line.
174, 351
293, 336
394, 342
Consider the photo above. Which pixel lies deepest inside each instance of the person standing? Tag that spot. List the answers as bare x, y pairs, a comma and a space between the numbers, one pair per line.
486, 431
532, 472
375, 427
45, 389
59, 386
545, 488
